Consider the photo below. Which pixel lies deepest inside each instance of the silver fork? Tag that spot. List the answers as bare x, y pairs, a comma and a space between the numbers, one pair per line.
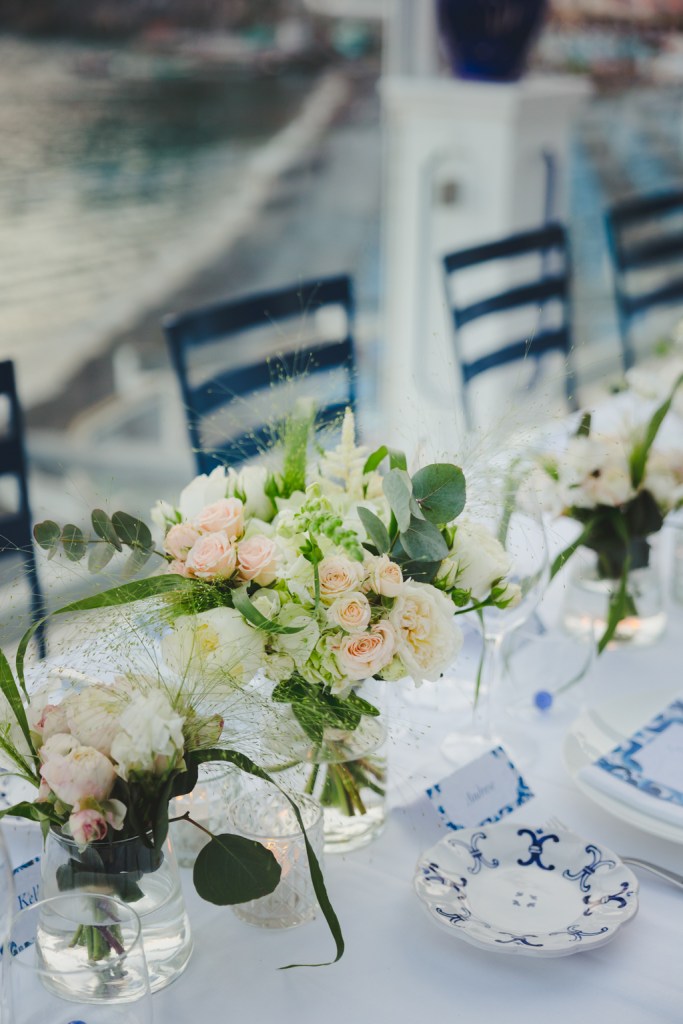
637, 862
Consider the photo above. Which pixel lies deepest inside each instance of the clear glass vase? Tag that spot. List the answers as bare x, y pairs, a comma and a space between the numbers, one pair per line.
347, 775
130, 871
588, 595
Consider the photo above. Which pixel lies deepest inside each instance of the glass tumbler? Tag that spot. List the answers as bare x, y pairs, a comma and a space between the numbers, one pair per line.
76, 959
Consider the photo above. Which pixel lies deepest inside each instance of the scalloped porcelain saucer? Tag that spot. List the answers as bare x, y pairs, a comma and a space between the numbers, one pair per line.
513, 888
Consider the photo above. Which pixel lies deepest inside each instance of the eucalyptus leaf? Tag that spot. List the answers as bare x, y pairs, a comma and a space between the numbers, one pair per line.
47, 534
231, 869
73, 542
104, 528
137, 559
131, 531
375, 529
420, 572
422, 541
440, 492
100, 556
397, 459
399, 492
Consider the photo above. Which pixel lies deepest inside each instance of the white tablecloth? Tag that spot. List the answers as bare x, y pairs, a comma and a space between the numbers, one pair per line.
399, 966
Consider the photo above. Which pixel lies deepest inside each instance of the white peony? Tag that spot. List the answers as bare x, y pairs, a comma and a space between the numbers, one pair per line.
150, 739
428, 638
476, 560
596, 471
214, 643
93, 716
82, 774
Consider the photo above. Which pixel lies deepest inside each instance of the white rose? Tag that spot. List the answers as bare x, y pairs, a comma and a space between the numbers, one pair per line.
476, 561
216, 643
249, 485
596, 471
161, 514
150, 738
338, 576
82, 774
363, 655
301, 644
257, 560
213, 555
267, 602
427, 637
202, 491
179, 539
351, 612
383, 576
223, 516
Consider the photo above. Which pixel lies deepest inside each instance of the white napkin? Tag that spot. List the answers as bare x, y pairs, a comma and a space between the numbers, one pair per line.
646, 771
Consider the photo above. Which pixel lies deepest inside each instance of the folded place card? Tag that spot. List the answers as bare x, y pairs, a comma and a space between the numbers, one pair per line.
646, 770
481, 792
27, 892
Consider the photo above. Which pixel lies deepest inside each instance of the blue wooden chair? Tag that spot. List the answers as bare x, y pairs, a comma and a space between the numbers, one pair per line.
547, 285
642, 243
15, 522
235, 373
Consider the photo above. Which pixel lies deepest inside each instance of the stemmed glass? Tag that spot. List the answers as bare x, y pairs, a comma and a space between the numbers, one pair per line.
73, 958
502, 500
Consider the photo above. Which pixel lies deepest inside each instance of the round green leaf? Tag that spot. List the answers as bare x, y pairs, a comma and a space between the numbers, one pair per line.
104, 528
47, 534
100, 556
440, 492
74, 542
423, 542
132, 531
231, 869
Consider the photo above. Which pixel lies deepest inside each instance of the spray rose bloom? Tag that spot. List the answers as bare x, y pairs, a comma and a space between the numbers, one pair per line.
88, 824
383, 577
223, 516
428, 638
351, 612
257, 560
84, 773
338, 576
365, 654
179, 539
213, 555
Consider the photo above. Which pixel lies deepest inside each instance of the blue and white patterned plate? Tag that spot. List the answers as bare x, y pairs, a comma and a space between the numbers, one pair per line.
517, 889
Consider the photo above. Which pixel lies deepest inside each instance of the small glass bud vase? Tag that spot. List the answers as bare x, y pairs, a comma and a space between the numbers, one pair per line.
267, 817
208, 805
135, 873
589, 591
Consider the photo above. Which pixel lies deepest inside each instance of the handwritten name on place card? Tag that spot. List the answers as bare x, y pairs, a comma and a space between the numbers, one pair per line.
480, 792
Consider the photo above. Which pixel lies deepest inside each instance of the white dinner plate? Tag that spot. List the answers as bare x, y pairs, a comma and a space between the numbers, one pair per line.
514, 888
601, 729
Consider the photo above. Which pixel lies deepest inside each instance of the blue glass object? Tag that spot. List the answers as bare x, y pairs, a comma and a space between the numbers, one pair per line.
543, 700
489, 39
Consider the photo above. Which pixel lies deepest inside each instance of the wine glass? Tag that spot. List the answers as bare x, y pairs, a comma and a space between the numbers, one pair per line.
503, 500
76, 957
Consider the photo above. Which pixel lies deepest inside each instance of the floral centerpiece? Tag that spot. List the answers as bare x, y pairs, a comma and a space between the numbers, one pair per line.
619, 488
324, 574
106, 761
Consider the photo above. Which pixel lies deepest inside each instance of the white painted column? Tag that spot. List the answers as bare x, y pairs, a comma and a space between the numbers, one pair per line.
464, 163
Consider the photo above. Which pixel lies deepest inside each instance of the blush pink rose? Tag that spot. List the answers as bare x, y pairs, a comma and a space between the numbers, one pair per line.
213, 555
83, 774
351, 612
87, 826
384, 577
178, 568
366, 654
257, 560
338, 576
224, 516
179, 539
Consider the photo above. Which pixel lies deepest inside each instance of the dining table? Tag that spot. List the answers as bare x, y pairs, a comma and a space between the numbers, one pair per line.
399, 965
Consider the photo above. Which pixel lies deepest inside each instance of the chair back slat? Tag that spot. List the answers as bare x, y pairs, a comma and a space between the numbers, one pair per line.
554, 287
15, 525
224, 325
639, 239
547, 244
